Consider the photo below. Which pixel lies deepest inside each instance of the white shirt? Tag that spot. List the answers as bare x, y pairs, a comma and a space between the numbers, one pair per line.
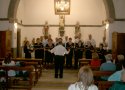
76, 87
59, 50
92, 42
10, 72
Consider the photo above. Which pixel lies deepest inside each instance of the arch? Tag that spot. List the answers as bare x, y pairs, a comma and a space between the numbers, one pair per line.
110, 10
109, 7
12, 10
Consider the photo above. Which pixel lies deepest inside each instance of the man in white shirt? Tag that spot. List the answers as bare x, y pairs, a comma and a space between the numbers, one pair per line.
91, 41
59, 52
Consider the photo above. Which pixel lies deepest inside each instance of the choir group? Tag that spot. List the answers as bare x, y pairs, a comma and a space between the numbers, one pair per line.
40, 48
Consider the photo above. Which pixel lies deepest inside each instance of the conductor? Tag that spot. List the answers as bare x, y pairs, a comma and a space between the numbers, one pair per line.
59, 52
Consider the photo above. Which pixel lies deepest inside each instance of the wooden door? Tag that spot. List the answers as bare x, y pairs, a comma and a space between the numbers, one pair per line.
118, 44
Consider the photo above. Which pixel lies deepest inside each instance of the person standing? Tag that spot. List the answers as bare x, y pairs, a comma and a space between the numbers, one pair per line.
69, 45
39, 50
91, 41
27, 50
49, 55
79, 48
59, 52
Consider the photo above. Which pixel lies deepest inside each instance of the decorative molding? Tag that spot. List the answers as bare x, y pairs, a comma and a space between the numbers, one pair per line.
122, 19
24, 25
4, 19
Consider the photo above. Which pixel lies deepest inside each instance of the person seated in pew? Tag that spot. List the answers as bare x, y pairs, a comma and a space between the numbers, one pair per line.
117, 75
95, 60
8, 62
119, 85
23, 73
108, 65
118, 62
85, 80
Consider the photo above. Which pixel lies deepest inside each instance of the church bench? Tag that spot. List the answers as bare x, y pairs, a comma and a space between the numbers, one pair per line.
39, 61
104, 85
98, 74
84, 61
36, 70
9, 80
95, 68
38, 66
102, 73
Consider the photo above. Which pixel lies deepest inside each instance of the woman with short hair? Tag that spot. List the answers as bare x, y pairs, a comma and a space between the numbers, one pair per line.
85, 80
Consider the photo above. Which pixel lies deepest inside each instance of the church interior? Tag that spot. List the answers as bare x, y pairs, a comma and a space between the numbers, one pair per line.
30, 30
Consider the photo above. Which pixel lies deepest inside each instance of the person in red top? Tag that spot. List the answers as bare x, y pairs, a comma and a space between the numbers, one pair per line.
95, 60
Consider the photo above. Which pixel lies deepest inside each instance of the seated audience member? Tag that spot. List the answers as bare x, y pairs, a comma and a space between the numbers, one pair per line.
95, 60
108, 65
117, 75
118, 63
8, 62
119, 85
85, 80
23, 73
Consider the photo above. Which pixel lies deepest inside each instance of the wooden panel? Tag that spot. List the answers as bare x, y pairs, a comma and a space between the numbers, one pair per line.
118, 44
5, 42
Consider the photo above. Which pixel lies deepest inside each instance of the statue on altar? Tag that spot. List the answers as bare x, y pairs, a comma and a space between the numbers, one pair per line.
77, 30
61, 25
46, 29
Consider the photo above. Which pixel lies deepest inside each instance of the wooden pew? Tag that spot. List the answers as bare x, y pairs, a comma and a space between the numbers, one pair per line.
95, 68
36, 70
84, 61
10, 85
104, 85
102, 73
37, 73
98, 74
39, 61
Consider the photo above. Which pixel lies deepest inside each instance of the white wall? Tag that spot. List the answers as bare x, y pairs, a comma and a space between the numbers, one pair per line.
5, 25
4, 4
87, 12
119, 8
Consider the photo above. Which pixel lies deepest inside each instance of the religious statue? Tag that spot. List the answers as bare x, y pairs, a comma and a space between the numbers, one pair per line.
77, 30
61, 25
61, 21
45, 29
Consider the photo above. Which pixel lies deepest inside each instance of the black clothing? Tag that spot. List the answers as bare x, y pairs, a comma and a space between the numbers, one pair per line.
39, 51
27, 52
48, 54
70, 55
59, 63
101, 53
78, 53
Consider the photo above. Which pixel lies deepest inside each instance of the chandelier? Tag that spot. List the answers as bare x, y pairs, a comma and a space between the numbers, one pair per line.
62, 7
